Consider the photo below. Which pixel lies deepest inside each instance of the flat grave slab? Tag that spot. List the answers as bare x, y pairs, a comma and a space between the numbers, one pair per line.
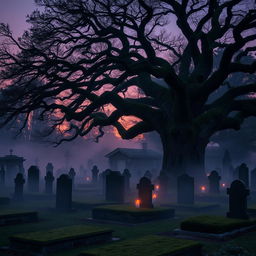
11, 217
149, 245
197, 207
214, 227
131, 214
48, 241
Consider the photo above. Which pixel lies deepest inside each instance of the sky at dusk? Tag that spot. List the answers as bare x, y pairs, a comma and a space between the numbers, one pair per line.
14, 13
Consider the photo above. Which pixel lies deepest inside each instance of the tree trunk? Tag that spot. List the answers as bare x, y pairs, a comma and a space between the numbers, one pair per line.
183, 152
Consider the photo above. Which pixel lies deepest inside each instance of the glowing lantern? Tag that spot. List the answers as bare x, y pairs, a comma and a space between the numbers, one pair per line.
203, 188
137, 203
223, 185
87, 178
157, 187
154, 196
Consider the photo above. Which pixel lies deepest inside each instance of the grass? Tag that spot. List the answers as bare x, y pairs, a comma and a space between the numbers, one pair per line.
144, 246
214, 224
59, 234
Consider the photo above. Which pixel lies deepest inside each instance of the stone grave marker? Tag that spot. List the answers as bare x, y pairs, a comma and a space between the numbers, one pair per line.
72, 175
49, 178
33, 179
102, 178
145, 188
214, 182
238, 200
95, 172
127, 176
64, 193
243, 174
186, 189
49, 168
115, 187
19, 184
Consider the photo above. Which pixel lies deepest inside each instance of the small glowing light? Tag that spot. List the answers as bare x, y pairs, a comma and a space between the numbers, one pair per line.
157, 187
87, 178
137, 203
203, 188
223, 185
154, 196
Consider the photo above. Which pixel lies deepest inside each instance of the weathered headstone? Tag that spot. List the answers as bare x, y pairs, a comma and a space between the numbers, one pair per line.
33, 179
148, 175
253, 180
186, 189
243, 174
18, 190
49, 178
127, 176
115, 187
95, 172
145, 188
64, 193
102, 178
72, 175
214, 182
49, 168
238, 200
2, 176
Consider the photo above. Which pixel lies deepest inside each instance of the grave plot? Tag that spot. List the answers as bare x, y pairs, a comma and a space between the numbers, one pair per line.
10, 217
49, 241
131, 214
214, 227
149, 245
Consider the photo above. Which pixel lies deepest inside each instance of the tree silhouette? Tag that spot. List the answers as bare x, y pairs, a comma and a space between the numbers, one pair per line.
90, 55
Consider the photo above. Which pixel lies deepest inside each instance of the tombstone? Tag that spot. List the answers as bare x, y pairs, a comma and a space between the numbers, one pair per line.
253, 180
185, 189
115, 187
238, 200
33, 179
64, 193
49, 178
145, 188
127, 176
163, 181
214, 182
95, 172
243, 174
102, 178
18, 190
49, 168
2, 176
148, 174
72, 175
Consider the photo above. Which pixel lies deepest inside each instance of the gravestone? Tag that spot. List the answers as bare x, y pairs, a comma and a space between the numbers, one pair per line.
238, 200
115, 187
49, 168
214, 182
148, 174
243, 174
64, 193
72, 175
18, 190
163, 181
2, 176
127, 176
186, 189
253, 180
103, 180
49, 178
33, 179
95, 172
145, 188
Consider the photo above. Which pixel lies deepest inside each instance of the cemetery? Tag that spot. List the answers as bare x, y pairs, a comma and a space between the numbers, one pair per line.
127, 128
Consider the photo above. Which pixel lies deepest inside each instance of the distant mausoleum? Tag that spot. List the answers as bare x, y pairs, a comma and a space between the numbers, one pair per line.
138, 161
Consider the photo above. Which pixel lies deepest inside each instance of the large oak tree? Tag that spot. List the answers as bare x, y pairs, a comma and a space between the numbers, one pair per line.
89, 55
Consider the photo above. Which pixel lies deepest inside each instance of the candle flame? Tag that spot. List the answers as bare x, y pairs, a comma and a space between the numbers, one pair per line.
154, 196
137, 203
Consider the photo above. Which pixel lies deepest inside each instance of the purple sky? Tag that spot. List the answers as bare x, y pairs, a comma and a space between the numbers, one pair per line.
14, 13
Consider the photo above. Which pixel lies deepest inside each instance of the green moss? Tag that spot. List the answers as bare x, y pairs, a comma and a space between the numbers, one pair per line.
144, 246
214, 224
54, 235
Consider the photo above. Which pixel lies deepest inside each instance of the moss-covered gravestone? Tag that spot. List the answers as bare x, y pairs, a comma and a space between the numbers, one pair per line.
18, 190
253, 180
95, 172
145, 189
214, 182
238, 200
49, 178
2, 176
243, 174
64, 193
127, 176
186, 189
72, 175
33, 179
115, 187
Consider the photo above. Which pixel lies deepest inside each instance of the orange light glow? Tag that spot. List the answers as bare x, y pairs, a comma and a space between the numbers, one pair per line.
154, 196
203, 188
157, 187
137, 203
